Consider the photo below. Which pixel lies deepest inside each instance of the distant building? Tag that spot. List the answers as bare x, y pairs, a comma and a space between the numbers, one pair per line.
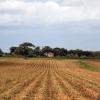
49, 54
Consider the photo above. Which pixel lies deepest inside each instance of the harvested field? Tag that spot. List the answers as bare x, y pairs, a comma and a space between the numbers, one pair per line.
47, 80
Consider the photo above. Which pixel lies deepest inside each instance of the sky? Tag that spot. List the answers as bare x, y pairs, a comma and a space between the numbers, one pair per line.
72, 24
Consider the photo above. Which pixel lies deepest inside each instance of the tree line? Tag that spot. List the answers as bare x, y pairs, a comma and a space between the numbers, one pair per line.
27, 49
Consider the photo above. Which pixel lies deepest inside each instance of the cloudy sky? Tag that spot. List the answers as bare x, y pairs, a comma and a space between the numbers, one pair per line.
58, 23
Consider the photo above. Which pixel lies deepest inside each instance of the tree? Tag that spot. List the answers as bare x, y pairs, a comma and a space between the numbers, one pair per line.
63, 52
56, 51
37, 51
79, 52
46, 49
60, 51
88, 53
27, 49
12, 50
26, 44
24, 49
1, 52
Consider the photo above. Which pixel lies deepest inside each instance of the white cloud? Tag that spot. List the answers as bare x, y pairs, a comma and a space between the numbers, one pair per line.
15, 12
81, 2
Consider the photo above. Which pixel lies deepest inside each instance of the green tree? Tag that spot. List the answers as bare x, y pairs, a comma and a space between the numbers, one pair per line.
56, 51
46, 49
12, 50
63, 52
26, 44
1, 52
37, 51
25, 49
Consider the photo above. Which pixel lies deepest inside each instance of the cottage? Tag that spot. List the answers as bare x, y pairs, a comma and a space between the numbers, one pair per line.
49, 54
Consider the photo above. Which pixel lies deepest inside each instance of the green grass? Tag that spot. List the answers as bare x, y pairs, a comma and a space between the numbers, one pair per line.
88, 67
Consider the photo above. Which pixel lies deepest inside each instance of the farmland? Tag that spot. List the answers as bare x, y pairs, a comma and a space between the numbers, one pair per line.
48, 79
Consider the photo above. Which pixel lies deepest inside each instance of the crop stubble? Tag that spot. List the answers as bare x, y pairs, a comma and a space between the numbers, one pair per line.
47, 80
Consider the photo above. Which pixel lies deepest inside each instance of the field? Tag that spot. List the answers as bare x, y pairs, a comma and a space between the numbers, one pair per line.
47, 79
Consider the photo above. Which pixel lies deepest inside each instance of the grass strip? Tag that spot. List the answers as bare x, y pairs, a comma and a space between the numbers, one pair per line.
88, 67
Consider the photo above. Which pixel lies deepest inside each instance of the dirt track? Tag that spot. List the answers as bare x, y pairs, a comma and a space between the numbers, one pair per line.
47, 80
